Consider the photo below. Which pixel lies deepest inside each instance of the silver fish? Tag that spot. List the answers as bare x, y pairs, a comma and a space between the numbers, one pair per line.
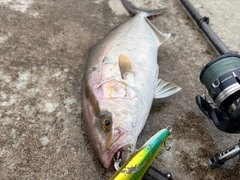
120, 83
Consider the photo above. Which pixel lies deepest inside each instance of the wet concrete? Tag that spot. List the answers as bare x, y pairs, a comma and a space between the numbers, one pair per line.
43, 50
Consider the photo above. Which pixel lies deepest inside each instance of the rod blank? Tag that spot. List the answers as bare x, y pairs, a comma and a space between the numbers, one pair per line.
202, 23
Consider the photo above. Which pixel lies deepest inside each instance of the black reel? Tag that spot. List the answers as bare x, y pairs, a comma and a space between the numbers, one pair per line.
222, 79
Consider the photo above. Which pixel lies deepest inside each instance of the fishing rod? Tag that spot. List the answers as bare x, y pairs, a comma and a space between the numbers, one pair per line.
221, 77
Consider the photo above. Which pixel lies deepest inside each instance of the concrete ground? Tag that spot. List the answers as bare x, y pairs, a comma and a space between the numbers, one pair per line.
43, 51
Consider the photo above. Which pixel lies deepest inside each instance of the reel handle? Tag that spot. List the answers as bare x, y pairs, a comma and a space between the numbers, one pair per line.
221, 158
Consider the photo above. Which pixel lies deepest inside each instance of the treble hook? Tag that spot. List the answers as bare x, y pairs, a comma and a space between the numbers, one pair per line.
167, 148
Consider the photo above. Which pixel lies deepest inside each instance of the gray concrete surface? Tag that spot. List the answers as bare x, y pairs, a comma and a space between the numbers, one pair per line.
43, 50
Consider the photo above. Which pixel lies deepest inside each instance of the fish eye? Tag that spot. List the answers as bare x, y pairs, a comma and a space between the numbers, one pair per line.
106, 124
105, 121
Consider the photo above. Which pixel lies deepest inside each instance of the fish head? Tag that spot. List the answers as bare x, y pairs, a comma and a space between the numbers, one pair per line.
110, 124
112, 134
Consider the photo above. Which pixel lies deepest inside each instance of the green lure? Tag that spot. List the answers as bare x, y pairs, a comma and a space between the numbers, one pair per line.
139, 162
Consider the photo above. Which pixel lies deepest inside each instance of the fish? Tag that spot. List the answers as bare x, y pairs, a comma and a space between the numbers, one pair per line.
119, 84
138, 163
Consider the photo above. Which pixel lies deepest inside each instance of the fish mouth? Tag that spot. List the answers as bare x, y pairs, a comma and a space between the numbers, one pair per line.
121, 147
117, 156
121, 156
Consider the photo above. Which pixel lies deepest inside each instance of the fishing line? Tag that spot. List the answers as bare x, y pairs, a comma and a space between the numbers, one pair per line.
211, 74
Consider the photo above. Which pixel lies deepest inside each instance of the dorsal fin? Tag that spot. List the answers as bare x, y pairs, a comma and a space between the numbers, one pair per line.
125, 65
162, 37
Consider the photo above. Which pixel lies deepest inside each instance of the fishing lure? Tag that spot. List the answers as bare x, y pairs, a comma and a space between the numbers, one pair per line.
139, 162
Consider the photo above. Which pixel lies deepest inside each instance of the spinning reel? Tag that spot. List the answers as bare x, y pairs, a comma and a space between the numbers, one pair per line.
221, 77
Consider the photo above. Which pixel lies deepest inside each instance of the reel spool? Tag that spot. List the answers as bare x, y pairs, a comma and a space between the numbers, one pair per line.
221, 77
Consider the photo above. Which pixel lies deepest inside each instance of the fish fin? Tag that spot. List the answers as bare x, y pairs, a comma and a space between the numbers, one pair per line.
125, 65
162, 37
164, 89
134, 10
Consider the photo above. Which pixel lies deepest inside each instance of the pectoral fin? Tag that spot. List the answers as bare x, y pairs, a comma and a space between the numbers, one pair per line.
164, 89
125, 66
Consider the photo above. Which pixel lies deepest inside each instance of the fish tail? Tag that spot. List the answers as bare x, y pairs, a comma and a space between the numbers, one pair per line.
134, 10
